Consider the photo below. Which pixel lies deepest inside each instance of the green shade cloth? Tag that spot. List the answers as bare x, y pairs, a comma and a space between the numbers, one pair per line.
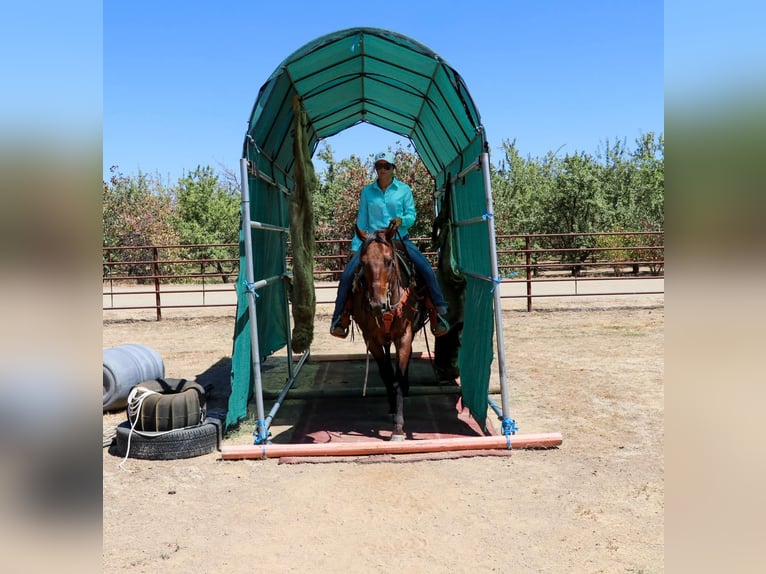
375, 76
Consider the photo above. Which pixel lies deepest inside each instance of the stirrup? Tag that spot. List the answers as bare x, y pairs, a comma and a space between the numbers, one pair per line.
338, 330
439, 325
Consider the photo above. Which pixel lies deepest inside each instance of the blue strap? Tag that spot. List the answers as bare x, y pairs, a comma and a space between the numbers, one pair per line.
498, 280
250, 288
260, 434
495, 280
509, 428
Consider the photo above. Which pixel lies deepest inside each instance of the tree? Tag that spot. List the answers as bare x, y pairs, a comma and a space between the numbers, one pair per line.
208, 212
649, 161
575, 205
337, 203
136, 211
634, 183
519, 186
618, 183
335, 206
412, 171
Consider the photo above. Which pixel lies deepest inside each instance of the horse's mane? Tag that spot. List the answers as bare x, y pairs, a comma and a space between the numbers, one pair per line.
378, 236
382, 236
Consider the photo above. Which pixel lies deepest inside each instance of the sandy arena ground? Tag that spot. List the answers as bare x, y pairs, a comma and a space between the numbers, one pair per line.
589, 368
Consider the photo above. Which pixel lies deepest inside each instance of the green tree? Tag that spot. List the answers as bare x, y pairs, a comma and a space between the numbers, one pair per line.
136, 211
335, 206
649, 161
337, 203
412, 171
618, 183
634, 190
208, 212
575, 205
519, 186
634, 183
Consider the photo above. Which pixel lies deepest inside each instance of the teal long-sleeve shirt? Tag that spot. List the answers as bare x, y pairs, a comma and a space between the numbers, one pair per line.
376, 209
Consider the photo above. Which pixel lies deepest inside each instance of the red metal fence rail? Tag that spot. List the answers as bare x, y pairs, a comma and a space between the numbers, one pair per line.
209, 272
158, 269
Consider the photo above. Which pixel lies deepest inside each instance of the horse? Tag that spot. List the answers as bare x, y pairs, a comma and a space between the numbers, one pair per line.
388, 307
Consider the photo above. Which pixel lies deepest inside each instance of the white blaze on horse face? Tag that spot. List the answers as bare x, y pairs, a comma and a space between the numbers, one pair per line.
378, 266
379, 294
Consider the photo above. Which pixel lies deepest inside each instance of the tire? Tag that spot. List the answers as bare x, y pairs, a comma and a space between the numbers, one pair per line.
170, 445
174, 404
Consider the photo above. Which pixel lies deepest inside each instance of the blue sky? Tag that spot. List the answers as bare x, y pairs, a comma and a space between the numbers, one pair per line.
180, 78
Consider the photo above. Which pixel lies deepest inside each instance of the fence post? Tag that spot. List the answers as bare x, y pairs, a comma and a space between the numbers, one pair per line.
157, 300
528, 267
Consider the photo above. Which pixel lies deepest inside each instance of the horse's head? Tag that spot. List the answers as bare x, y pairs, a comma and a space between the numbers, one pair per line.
379, 268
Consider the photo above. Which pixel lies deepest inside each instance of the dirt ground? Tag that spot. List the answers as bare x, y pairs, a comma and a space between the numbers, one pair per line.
591, 369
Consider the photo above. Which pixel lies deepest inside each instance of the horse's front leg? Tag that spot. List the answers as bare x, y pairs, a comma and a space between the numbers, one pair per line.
382, 357
401, 385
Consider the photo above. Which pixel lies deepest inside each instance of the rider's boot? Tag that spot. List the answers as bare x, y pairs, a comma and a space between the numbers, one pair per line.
439, 324
339, 326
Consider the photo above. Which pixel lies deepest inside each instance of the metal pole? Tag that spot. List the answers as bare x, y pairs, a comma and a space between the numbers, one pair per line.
285, 389
156, 269
255, 351
528, 261
484, 159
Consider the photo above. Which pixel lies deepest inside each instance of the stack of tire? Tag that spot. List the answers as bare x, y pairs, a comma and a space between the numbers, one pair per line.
166, 417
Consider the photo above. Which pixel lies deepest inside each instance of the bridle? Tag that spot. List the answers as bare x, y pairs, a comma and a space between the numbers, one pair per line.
389, 311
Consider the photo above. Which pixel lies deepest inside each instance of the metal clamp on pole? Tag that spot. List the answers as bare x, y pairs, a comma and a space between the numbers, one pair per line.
268, 227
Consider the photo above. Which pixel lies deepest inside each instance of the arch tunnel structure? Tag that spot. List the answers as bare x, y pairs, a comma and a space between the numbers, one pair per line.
375, 76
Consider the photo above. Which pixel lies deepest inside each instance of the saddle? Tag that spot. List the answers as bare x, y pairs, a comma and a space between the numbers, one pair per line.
405, 264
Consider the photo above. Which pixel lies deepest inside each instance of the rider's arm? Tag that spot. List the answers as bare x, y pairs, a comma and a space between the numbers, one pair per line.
362, 218
408, 208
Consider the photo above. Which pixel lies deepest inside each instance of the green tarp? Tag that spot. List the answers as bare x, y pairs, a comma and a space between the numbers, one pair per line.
397, 84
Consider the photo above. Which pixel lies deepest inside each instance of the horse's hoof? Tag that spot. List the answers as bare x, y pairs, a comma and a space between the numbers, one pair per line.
398, 437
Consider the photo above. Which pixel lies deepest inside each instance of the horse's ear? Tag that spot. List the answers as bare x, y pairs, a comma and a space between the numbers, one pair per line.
361, 234
390, 232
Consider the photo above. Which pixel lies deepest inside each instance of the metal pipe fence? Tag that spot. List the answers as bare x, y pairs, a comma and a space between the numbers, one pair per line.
530, 265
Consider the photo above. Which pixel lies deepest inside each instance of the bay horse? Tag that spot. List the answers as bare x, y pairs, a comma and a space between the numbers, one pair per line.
388, 308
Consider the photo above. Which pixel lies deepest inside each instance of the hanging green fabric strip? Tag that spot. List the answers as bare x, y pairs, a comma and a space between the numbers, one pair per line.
302, 235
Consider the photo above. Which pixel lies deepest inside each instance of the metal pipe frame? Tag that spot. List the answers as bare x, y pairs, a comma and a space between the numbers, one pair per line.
267, 227
255, 350
285, 389
472, 221
263, 423
509, 426
271, 181
467, 170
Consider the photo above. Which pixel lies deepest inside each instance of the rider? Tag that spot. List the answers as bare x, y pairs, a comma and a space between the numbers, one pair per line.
384, 201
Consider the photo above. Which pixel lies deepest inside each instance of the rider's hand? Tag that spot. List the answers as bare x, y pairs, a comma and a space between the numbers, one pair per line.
395, 222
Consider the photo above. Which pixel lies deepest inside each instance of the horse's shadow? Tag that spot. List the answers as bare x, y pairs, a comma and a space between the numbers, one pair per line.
349, 418
357, 418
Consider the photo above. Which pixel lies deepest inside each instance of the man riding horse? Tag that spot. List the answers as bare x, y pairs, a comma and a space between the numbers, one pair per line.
383, 202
